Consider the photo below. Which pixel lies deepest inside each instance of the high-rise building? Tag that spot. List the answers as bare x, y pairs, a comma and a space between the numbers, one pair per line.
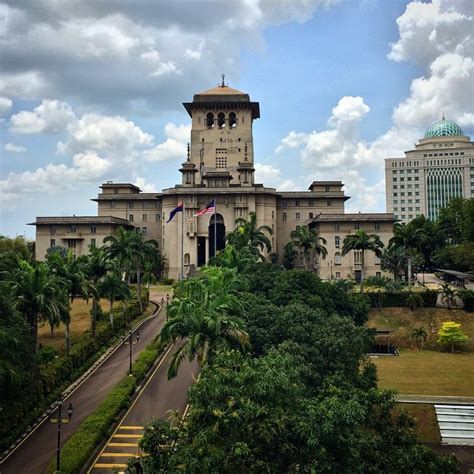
219, 168
440, 168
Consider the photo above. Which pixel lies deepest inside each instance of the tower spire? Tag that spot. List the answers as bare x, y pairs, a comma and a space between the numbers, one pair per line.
223, 77
189, 149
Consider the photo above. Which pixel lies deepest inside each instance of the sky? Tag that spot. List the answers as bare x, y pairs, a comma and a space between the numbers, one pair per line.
92, 90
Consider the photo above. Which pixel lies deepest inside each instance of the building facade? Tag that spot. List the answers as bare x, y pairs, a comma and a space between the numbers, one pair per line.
440, 168
219, 167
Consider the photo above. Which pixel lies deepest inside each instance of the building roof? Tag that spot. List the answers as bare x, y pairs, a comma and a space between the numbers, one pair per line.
326, 183
313, 195
444, 128
97, 220
359, 217
126, 197
111, 184
222, 90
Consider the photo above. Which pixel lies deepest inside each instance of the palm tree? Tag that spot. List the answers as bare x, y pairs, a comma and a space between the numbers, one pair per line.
97, 263
448, 295
206, 316
407, 238
36, 293
121, 247
112, 285
307, 240
362, 241
248, 233
420, 335
394, 260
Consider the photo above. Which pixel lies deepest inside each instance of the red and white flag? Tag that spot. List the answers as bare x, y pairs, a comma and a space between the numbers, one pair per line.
209, 209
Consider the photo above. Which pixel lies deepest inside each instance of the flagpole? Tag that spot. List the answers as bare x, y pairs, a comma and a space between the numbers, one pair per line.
215, 227
182, 242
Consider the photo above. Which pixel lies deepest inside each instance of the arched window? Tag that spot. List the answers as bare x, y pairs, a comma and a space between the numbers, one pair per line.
221, 119
210, 120
337, 258
232, 120
186, 259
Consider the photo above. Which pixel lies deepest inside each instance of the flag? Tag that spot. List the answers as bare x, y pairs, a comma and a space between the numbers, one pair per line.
174, 211
209, 209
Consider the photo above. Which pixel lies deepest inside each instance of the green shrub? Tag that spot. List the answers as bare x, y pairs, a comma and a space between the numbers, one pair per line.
399, 299
95, 427
467, 297
168, 281
414, 300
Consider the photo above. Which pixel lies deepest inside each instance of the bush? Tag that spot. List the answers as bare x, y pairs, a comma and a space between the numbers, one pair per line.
467, 297
400, 298
95, 427
168, 281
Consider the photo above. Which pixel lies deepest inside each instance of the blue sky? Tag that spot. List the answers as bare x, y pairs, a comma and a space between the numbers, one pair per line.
92, 93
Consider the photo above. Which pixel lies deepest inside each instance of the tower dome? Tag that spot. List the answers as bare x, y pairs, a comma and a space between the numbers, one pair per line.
444, 128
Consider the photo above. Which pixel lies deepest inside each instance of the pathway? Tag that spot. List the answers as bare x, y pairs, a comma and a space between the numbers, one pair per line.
157, 399
37, 449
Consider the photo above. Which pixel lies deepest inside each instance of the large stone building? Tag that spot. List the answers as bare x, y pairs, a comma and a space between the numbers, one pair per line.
220, 166
440, 168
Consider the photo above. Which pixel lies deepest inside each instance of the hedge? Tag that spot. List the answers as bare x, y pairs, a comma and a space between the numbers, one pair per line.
55, 376
79, 448
467, 297
399, 299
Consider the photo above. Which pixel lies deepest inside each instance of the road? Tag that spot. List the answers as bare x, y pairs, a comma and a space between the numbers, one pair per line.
157, 399
34, 454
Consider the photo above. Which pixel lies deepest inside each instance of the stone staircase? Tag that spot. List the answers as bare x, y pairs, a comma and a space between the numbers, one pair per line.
456, 424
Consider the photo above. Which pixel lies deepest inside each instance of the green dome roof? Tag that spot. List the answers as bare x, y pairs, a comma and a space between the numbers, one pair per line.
444, 128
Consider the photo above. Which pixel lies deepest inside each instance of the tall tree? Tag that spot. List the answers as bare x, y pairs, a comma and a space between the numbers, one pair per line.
112, 286
407, 238
308, 240
206, 315
36, 293
248, 233
363, 242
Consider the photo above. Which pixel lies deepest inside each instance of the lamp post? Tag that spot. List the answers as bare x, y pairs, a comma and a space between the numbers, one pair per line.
130, 342
167, 298
59, 420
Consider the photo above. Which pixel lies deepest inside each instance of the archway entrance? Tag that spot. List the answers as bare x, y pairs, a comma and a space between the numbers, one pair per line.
216, 234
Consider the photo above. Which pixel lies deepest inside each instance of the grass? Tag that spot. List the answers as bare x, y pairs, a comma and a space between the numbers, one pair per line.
80, 322
159, 288
403, 320
426, 424
427, 373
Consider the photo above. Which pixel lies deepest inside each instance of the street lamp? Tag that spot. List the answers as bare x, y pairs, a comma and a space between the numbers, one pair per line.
167, 298
130, 343
59, 420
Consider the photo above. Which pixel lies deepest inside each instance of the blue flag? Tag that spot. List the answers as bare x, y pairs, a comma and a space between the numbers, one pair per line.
174, 211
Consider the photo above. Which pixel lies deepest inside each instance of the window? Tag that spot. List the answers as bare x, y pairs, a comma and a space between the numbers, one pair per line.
130, 205
329, 202
93, 229
297, 227
377, 226
187, 258
112, 204
92, 242
210, 120
376, 260
72, 228
144, 230
310, 215
336, 227
297, 203
356, 226
221, 120
283, 204
273, 214
144, 217
357, 257
338, 275
378, 274
232, 120
52, 242
327, 189
297, 217
337, 258
158, 217
283, 216
130, 217
115, 191
337, 240
52, 229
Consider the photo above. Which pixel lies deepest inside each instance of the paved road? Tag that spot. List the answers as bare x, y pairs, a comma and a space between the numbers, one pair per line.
434, 399
34, 454
156, 399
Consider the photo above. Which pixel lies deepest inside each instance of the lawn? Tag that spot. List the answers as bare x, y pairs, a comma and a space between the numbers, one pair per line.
80, 322
161, 289
403, 320
426, 424
427, 373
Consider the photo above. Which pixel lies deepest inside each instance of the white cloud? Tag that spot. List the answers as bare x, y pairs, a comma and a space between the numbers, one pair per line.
271, 176
144, 185
174, 148
14, 148
51, 116
5, 105
121, 54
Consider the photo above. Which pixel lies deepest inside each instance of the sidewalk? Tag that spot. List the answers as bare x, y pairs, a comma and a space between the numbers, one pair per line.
430, 399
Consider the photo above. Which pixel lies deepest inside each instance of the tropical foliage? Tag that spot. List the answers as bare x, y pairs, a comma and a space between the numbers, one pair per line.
307, 240
450, 334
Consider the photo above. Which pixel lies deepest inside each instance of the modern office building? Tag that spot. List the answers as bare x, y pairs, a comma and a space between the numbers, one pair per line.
440, 168
219, 167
